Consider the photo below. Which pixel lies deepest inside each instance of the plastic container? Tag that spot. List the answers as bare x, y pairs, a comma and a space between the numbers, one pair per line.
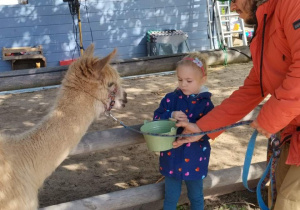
159, 143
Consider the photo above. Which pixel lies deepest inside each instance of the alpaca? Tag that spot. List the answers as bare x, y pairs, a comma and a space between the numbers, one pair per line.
27, 159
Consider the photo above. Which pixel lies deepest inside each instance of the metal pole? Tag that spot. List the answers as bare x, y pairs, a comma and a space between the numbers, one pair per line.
209, 9
79, 26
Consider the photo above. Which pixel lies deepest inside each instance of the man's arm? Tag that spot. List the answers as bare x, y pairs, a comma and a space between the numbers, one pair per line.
234, 108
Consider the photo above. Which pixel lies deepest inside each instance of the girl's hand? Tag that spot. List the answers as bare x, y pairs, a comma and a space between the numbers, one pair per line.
260, 130
188, 128
180, 116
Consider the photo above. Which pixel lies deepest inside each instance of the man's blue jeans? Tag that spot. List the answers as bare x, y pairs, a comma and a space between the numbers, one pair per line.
173, 191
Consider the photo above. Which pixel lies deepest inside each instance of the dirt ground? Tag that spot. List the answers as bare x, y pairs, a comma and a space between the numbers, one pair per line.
121, 168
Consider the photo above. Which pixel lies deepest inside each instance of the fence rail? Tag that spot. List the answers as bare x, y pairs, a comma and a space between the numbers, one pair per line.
31, 78
150, 196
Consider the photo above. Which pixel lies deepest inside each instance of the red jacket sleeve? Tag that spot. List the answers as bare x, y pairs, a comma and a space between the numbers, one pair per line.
234, 108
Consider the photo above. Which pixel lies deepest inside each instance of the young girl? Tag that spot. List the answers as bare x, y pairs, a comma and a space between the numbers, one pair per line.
189, 102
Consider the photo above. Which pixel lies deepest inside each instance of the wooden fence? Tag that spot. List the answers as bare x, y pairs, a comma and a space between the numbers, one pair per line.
31, 78
151, 196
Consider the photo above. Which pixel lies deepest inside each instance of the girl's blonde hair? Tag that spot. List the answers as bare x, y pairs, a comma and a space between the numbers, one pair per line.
193, 59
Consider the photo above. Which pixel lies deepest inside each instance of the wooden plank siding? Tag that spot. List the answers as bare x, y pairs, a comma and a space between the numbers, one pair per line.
118, 24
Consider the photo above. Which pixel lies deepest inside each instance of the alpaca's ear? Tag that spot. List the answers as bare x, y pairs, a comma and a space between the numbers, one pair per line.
90, 50
99, 65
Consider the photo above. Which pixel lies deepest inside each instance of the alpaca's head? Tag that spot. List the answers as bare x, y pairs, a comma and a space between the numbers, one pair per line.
96, 78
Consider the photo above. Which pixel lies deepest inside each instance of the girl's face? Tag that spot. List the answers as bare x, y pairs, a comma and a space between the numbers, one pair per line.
190, 80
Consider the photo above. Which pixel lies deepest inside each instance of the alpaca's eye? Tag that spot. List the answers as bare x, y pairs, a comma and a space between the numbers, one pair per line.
110, 84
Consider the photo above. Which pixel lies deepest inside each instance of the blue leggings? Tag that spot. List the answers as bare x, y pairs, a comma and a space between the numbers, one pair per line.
173, 191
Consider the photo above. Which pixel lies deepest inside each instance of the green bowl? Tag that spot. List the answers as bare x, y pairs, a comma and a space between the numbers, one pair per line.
159, 143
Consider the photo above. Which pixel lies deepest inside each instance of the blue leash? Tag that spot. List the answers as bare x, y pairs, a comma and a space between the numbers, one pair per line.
268, 173
248, 159
247, 122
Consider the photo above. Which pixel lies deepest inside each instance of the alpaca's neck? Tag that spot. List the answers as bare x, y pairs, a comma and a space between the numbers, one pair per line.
51, 142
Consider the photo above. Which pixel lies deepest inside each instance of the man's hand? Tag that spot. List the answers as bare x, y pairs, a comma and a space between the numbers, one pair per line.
180, 116
260, 130
188, 128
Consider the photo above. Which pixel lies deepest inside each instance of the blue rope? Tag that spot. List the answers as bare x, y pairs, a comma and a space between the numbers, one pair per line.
248, 159
260, 184
269, 173
191, 134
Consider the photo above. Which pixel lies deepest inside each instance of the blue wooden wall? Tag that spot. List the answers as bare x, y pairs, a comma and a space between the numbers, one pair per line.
118, 24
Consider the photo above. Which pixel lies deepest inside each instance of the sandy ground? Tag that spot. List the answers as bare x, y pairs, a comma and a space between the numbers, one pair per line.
121, 168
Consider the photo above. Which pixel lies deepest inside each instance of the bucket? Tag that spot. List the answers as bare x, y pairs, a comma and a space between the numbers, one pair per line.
159, 143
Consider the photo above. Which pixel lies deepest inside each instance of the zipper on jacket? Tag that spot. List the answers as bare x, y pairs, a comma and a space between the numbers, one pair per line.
262, 55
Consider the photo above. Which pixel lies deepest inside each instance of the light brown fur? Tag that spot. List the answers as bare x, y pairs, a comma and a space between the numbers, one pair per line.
26, 160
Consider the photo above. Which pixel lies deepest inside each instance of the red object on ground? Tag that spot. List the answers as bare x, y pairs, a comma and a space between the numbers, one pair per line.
66, 62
